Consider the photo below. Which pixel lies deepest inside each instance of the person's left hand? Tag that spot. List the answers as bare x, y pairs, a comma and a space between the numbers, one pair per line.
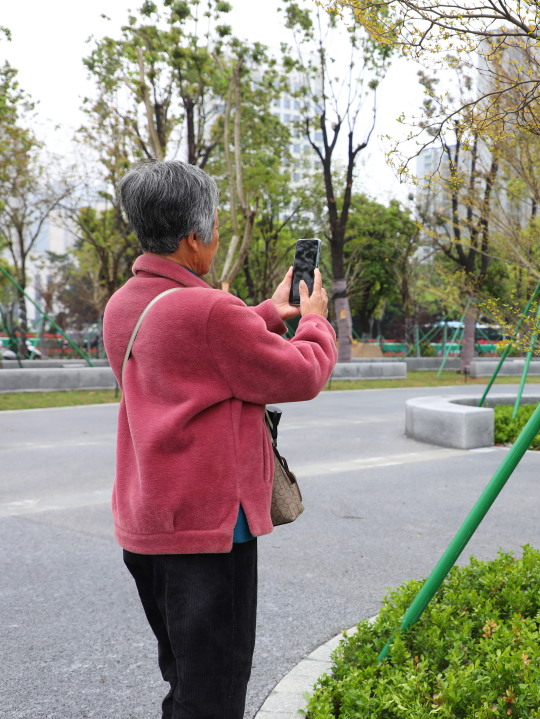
280, 298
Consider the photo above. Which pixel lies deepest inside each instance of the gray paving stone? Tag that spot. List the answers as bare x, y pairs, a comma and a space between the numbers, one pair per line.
307, 670
282, 702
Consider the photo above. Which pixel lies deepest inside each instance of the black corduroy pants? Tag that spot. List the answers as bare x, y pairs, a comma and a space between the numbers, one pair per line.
202, 609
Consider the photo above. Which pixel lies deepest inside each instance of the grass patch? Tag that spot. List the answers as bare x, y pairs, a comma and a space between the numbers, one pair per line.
507, 429
39, 400
424, 379
472, 655
36, 400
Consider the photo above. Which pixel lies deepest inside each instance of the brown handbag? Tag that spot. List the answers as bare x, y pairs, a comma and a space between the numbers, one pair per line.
286, 496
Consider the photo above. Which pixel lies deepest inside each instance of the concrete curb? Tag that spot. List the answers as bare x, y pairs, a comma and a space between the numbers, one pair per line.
51, 380
52, 363
431, 364
510, 368
447, 422
370, 370
456, 421
288, 698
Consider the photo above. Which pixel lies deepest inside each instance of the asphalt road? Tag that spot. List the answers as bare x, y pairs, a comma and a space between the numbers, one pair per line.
380, 509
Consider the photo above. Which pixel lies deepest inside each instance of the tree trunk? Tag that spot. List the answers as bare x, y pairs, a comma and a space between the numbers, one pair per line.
468, 342
343, 319
189, 107
408, 330
100, 345
249, 282
42, 340
23, 328
150, 118
365, 323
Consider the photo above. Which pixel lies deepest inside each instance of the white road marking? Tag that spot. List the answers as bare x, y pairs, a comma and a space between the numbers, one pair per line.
55, 502
304, 472
56, 444
110, 438
334, 423
59, 409
353, 465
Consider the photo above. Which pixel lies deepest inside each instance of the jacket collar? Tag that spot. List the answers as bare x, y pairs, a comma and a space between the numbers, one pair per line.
160, 266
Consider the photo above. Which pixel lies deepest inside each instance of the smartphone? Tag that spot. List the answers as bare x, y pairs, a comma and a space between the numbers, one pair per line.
306, 259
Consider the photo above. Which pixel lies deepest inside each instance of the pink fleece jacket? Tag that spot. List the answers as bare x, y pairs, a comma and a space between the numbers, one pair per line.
192, 444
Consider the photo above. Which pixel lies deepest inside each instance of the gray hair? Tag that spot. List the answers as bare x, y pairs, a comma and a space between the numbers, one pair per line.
167, 201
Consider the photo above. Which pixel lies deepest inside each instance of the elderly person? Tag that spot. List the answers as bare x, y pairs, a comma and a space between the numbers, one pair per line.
194, 458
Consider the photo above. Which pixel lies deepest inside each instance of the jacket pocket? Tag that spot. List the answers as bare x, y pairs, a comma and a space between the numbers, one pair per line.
268, 455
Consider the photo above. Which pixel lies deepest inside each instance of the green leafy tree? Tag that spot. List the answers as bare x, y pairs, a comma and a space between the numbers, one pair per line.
380, 259
106, 254
177, 80
250, 160
28, 192
287, 212
152, 81
75, 295
332, 108
158, 78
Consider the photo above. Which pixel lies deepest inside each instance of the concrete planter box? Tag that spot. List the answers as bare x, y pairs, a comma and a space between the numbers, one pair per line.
51, 380
510, 368
370, 370
431, 364
455, 422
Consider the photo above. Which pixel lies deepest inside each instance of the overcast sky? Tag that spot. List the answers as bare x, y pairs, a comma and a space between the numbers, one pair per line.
50, 40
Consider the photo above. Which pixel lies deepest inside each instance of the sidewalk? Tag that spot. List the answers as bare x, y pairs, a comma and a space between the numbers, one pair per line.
289, 696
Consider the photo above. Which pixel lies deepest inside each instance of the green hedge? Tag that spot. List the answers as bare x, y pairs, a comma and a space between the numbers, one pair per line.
508, 429
474, 654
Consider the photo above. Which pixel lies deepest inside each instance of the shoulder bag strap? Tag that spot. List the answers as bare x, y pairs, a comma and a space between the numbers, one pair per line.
139, 323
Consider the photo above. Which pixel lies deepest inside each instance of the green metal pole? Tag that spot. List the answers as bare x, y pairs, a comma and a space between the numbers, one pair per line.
427, 336
526, 367
500, 363
507, 349
445, 338
469, 526
20, 289
454, 337
484, 335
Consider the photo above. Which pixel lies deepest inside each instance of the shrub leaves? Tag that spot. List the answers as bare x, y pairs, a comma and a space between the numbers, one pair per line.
474, 653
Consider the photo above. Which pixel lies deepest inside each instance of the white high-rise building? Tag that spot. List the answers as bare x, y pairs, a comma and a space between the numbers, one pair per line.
289, 110
54, 236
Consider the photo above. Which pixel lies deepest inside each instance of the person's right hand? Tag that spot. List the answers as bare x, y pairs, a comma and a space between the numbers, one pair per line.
317, 302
